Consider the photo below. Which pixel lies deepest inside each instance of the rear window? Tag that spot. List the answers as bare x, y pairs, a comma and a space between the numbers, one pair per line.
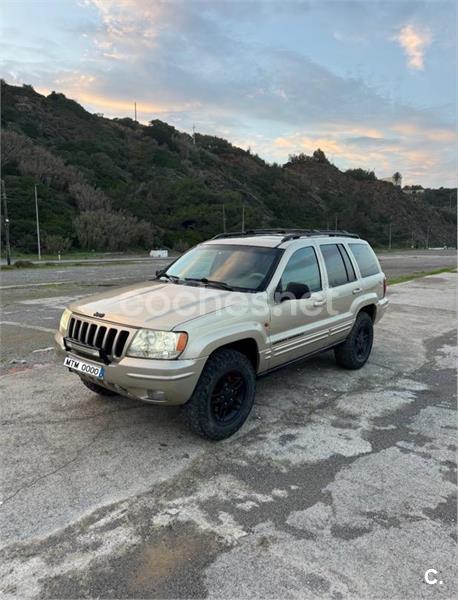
338, 265
365, 257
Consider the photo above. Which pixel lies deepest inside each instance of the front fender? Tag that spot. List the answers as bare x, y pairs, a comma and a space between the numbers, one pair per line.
210, 332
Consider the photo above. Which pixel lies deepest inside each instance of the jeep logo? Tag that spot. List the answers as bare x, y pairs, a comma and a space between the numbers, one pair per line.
97, 314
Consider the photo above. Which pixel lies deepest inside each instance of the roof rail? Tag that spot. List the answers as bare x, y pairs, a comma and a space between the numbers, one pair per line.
288, 234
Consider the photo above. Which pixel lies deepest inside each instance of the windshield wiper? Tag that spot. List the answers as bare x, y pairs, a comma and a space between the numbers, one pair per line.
219, 284
172, 278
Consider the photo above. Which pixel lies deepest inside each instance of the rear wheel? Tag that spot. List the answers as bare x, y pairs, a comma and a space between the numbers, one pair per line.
354, 352
223, 397
98, 389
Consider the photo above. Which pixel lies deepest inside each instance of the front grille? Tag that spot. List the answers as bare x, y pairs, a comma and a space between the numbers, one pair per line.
111, 340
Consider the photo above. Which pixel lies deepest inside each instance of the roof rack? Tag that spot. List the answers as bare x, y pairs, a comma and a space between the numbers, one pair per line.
288, 234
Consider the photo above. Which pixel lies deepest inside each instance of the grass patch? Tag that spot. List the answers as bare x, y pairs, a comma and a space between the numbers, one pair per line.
19, 264
419, 275
49, 265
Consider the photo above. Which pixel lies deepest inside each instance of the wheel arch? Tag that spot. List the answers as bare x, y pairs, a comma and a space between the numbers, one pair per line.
371, 310
247, 346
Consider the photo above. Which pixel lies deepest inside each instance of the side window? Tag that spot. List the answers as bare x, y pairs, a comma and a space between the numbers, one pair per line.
365, 258
302, 267
351, 275
338, 266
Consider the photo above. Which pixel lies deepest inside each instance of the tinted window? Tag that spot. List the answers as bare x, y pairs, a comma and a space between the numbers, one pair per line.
245, 267
335, 266
351, 275
365, 258
302, 267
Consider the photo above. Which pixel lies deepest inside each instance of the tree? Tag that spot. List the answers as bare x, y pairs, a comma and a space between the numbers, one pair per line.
397, 178
295, 159
55, 244
320, 156
361, 174
88, 198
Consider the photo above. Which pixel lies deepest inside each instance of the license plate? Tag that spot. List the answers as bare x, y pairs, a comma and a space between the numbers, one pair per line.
84, 367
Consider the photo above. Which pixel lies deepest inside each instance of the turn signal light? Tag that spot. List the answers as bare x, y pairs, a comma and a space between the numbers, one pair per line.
182, 341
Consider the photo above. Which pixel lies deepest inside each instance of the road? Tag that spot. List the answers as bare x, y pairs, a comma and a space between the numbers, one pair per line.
399, 263
341, 484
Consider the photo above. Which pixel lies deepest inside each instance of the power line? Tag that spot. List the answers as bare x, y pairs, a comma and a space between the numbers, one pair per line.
7, 224
38, 223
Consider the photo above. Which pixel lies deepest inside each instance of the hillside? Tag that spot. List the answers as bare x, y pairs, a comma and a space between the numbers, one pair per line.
116, 184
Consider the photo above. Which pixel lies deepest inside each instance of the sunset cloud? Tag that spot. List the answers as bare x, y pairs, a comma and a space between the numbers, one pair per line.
273, 76
414, 41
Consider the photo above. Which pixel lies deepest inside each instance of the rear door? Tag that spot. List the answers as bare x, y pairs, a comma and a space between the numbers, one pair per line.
296, 325
342, 288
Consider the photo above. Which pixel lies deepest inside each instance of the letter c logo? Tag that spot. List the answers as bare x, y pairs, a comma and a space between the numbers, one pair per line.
430, 581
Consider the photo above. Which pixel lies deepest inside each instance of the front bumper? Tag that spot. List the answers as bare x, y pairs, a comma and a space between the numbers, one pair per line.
167, 382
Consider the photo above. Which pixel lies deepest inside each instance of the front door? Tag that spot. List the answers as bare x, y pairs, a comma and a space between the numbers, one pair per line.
296, 325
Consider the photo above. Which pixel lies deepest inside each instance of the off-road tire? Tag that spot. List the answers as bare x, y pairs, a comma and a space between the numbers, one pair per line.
98, 389
347, 354
198, 411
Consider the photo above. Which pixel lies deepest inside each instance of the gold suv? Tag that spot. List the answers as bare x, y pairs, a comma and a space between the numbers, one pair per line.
228, 310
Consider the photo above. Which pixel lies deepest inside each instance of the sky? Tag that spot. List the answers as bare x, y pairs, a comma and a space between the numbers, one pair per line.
373, 84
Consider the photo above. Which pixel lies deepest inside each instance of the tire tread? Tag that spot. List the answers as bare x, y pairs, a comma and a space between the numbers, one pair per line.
196, 409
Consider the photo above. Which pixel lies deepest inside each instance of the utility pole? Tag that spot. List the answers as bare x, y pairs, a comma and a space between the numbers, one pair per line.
38, 223
389, 238
7, 224
135, 111
194, 135
336, 222
224, 219
427, 236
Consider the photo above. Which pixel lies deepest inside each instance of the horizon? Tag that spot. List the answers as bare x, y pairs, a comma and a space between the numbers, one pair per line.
269, 163
370, 83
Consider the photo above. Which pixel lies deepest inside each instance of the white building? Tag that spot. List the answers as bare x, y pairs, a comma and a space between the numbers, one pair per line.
159, 253
413, 190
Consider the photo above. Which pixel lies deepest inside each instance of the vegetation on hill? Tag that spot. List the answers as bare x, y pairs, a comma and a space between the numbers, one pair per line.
117, 184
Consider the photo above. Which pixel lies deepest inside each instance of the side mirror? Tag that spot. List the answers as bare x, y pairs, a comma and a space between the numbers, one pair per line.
294, 291
159, 272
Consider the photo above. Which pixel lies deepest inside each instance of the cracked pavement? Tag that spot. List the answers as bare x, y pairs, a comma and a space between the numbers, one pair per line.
340, 485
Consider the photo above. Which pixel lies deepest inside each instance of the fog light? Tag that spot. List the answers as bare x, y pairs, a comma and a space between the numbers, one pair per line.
156, 395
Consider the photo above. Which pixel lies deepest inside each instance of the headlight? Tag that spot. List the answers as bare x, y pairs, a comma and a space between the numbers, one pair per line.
65, 318
157, 344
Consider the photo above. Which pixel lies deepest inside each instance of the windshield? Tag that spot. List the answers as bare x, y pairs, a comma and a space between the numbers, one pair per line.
245, 268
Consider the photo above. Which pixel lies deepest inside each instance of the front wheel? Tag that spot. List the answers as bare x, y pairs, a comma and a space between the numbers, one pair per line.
354, 352
223, 397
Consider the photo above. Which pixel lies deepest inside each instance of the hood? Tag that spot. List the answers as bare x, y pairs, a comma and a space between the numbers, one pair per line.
155, 305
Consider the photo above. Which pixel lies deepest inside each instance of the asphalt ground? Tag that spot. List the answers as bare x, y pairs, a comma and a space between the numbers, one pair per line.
341, 484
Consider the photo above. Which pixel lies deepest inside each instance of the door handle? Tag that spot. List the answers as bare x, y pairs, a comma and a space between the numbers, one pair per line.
319, 302
357, 290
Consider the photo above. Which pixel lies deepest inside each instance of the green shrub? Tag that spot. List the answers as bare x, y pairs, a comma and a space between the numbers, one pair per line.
23, 264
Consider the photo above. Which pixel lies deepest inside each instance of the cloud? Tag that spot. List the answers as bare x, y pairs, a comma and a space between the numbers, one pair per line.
400, 148
414, 41
235, 70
